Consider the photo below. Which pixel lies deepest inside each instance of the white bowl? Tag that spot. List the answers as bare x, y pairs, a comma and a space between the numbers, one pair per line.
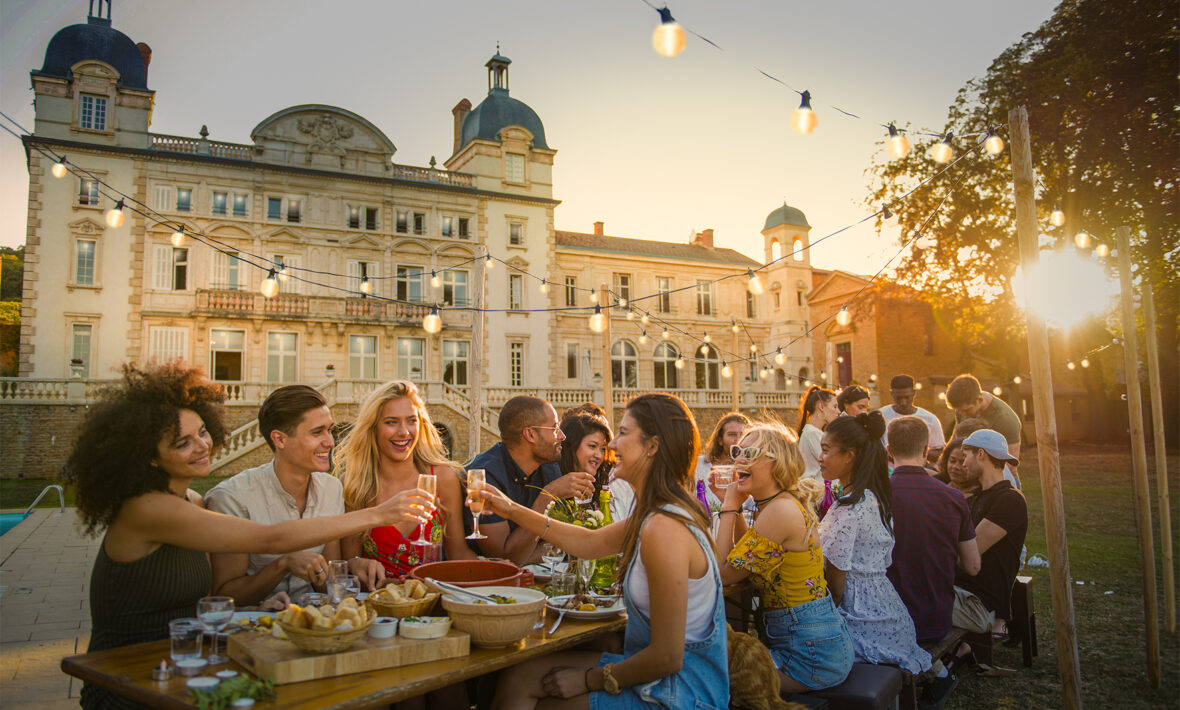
431, 627
383, 628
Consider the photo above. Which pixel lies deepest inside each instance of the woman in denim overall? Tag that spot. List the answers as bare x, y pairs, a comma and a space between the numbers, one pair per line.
656, 446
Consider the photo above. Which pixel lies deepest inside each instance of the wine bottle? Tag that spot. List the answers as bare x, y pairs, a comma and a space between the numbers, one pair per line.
604, 571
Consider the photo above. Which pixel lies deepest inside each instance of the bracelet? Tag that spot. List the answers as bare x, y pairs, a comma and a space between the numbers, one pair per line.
723, 512
586, 679
546, 530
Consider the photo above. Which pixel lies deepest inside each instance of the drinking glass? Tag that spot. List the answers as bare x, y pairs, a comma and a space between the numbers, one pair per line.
561, 584
312, 599
215, 613
552, 555
584, 499
722, 476
427, 483
476, 480
186, 638
342, 587
586, 571
338, 567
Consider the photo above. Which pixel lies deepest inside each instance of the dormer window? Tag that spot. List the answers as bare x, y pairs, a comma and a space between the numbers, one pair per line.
92, 112
514, 167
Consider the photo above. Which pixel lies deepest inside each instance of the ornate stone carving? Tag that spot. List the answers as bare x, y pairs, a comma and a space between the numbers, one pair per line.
325, 131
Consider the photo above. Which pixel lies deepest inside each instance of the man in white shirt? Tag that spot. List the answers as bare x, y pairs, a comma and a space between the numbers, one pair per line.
901, 388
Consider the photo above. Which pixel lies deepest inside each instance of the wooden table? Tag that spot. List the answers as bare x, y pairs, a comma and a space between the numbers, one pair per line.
127, 671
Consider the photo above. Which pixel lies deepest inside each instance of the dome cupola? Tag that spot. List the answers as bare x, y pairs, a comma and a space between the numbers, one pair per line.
96, 40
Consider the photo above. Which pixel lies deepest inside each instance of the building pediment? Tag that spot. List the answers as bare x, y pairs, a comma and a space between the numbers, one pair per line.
87, 227
363, 241
227, 230
324, 137
457, 251
836, 284
284, 234
411, 246
518, 262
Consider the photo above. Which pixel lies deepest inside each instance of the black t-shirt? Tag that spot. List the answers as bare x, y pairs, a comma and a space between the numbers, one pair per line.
1004, 506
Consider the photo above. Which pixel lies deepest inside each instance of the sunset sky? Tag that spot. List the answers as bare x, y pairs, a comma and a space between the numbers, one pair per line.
654, 147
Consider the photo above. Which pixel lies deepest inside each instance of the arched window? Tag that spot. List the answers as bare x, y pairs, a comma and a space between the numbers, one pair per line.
776, 250
797, 249
802, 375
780, 379
708, 368
664, 364
624, 365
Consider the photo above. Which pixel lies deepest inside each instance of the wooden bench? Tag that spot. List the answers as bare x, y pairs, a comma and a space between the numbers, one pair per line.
1022, 627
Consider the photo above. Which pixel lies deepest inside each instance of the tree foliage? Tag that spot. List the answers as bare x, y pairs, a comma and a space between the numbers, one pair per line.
12, 266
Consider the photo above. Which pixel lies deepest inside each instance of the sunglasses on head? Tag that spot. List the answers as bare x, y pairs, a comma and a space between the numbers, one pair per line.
750, 453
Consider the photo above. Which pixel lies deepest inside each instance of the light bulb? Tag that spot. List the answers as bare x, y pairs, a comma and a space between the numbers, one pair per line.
804, 120
490, 262
432, 323
435, 281
755, 283
1082, 240
598, 320
1016, 380
544, 287
923, 242
1070, 364
1102, 251
630, 314
917, 385
366, 287
704, 348
645, 319
707, 339
1057, 216
665, 334
726, 372
734, 328
643, 337
993, 143
764, 373
942, 396
753, 348
997, 391
840, 359
1085, 362
59, 168
897, 144
283, 274
873, 377
886, 214
270, 285
178, 237
115, 216
679, 362
942, 152
622, 303
668, 38
779, 358
843, 317
594, 297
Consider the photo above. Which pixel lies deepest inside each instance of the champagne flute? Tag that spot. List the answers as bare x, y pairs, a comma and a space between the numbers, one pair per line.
428, 483
586, 571
215, 613
476, 480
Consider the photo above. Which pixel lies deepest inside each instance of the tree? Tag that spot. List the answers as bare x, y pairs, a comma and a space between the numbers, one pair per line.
1098, 80
12, 267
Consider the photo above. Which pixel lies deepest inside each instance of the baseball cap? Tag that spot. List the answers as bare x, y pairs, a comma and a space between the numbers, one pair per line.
992, 442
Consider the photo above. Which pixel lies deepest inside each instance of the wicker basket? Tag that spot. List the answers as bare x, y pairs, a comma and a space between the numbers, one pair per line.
402, 609
327, 641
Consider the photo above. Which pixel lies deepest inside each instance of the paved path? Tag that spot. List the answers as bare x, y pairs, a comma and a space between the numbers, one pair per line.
44, 608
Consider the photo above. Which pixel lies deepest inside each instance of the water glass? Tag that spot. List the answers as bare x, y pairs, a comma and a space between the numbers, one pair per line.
722, 476
586, 499
215, 613
186, 638
338, 567
312, 599
561, 584
342, 587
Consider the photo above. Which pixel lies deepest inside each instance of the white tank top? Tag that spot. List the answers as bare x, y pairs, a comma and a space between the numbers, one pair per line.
702, 595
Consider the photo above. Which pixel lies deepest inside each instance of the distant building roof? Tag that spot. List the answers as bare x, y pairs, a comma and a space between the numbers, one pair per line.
95, 40
647, 247
786, 215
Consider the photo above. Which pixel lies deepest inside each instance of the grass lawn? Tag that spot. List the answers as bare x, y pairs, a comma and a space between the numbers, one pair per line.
1104, 554
19, 492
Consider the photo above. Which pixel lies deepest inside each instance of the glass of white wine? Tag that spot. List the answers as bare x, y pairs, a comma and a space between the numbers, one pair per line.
476, 480
428, 483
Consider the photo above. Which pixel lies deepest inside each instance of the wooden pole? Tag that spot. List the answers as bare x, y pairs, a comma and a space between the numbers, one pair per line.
1161, 457
475, 380
1139, 458
608, 385
734, 375
1064, 626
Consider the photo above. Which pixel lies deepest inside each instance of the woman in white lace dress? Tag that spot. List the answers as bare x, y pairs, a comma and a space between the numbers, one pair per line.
857, 540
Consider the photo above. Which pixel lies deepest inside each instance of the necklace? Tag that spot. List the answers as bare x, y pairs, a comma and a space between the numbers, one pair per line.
758, 503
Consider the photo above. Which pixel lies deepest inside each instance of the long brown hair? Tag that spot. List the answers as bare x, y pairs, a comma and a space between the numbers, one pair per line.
814, 396
667, 419
577, 427
715, 449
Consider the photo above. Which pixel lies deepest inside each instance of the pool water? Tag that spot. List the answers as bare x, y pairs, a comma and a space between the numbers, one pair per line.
8, 521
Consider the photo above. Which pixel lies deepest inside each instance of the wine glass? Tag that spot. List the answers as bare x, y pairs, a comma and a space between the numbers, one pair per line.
583, 498
215, 613
476, 480
428, 483
586, 568
552, 555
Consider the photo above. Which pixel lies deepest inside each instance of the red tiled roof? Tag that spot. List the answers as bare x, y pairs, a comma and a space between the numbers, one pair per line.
647, 247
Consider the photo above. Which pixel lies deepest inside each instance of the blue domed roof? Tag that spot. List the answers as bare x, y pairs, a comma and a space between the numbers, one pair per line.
95, 40
786, 215
496, 112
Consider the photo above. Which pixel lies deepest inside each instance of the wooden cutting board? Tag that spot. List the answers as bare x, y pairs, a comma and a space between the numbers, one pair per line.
268, 657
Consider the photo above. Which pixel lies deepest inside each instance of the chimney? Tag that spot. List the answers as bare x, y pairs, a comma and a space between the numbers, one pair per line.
145, 52
460, 112
704, 238
598, 229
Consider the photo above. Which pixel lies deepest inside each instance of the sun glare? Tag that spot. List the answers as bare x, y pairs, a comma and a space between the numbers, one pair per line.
1065, 288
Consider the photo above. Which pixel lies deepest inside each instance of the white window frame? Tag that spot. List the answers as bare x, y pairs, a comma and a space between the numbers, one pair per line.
515, 292
625, 355
456, 359
362, 365
179, 207
418, 223
516, 236
516, 364
411, 365
622, 285
293, 262
452, 284
571, 291
227, 272
446, 227
664, 358
166, 260
708, 369
284, 369
96, 116
514, 168
706, 298
224, 203
358, 269
93, 266
572, 352
213, 350
168, 343
406, 284
86, 331
89, 197
664, 285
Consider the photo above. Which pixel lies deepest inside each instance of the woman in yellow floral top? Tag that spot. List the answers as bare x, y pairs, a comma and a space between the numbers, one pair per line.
781, 556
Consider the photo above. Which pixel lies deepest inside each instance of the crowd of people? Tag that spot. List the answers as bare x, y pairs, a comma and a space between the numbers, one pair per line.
865, 534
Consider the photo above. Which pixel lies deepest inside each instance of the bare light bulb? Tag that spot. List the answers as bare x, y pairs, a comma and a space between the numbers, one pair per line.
917, 385
59, 168
366, 287
270, 285
598, 320
993, 143
680, 362
490, 262
115, 216
897, 144
753, 348
764, 373
704, 349
734, 328
804, 120
665, 334
1057, 216
435, 281
707, 338
923, 242
544, 287
282, 273
840, 359
1017, 380
843, 317
432, 323
1085, 362
755, 283
1102, 251
630, 314
178, 236
643, 337
622, 303
1082, 240
942, 396
997, 391
1071, 365
645, 319
726, 371
779, 358
668, 39
873, 377
942, 152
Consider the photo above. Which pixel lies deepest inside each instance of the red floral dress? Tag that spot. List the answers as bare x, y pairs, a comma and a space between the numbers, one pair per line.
395, 552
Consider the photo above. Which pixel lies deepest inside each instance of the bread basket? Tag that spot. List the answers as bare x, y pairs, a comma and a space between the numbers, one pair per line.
402, 608
327, 641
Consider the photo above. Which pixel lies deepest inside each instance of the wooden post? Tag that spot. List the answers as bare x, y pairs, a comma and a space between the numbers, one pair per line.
1161, 457
1064, 626
1139, 458
734, 376
475, 377
608, 385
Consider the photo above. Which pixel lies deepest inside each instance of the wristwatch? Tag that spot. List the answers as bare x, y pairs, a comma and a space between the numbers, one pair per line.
609, 684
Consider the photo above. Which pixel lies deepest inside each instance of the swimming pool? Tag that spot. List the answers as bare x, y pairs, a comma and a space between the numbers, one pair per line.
8, 521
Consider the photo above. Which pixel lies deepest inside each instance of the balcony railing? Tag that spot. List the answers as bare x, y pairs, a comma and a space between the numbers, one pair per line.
300, 307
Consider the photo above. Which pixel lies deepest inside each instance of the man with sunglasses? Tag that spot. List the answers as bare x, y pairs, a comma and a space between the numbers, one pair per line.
520, 465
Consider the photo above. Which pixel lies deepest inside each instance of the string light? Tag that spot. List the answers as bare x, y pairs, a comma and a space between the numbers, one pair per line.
993, 143
823, 376
733, 328
366, 287
779, 358
594, 297
942, 151
668, 39
643, 337
704, 349
665, 334
804, 120
490, 262
707, 338
1085, 362
679, 362
897, 144
544, 287
432, 323
755, 283
598, 320
283, 274
1070, 364
840, 359
726, 372
1057, 216
1101, 251
764, 373
435, 281
1082, 240
873, 377
997, 391
918, 386
270, 285
753, 348
1017, 380
843, 317
59, 168
630, 314
923, 242
115, 216
942, 396
645, 319
178, 236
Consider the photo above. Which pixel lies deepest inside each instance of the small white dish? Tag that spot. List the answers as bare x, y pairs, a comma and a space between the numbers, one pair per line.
425, 627
191, 666
226, 675
202, 683
242, 703
383, 627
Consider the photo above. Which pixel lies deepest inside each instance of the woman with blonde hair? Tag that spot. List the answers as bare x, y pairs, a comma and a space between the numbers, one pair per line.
781, 556
392, 442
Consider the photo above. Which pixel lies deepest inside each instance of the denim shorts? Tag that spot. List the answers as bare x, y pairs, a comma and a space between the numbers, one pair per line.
810, 643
